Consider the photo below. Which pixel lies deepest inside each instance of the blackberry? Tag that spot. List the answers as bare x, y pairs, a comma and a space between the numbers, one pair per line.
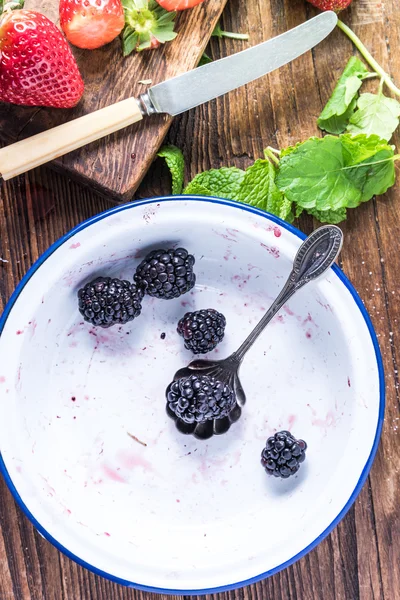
202, 330
199, 398
105, 301
166, 273
283, 454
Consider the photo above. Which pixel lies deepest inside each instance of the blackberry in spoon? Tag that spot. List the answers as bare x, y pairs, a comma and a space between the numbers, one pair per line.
195, 390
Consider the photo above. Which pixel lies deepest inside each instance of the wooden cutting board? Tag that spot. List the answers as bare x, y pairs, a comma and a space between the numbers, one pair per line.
115, 165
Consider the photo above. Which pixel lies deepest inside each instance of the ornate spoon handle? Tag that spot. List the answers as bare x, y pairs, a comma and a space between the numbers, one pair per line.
315, 256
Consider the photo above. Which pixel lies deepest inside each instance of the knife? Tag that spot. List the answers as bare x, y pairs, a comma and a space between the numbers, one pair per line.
172, 97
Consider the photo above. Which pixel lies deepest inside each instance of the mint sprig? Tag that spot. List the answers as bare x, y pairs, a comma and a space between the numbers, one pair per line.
322, 176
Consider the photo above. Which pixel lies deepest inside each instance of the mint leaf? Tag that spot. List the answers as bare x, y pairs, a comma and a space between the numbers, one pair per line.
376, 114
336, 172
258, 188
329, 216
176, 164
204, 60
195, 189
224, 182
340, 106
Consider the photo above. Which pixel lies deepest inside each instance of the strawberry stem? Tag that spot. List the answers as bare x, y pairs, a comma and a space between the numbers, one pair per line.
368, 57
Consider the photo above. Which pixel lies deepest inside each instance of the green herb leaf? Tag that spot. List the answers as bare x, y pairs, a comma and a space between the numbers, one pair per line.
176, 164
195, 189
329, 216
376, 114
258, 188
204, 60
336, 172
341, 105
224, 182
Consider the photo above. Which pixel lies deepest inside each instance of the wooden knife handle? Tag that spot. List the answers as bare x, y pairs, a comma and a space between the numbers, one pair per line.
48, 145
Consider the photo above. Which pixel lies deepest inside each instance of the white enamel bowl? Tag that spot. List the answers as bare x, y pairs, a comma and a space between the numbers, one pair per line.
182, 515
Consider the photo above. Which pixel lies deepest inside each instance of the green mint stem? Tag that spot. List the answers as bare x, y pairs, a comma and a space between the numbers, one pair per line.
234, 36
372, 164
369, 76
270, 152
368, 57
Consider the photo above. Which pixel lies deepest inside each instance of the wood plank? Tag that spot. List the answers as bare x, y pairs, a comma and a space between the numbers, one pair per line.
359, 560
115, 165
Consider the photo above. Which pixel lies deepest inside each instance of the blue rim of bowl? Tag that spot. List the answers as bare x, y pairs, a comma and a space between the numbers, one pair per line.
367, 467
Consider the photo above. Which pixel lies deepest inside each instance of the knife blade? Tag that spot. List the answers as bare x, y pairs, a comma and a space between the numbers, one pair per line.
215, 79
173, 96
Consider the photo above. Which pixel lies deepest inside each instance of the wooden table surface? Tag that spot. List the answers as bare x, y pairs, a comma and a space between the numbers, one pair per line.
361, 557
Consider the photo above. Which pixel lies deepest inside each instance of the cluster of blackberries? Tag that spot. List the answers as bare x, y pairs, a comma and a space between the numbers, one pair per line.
168, 274
163, 273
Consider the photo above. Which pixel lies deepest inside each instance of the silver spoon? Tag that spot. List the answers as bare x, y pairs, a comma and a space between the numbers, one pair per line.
315, 256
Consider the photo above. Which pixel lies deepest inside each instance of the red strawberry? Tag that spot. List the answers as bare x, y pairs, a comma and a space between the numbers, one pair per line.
37, 67
335, 5
91, 23
179, 4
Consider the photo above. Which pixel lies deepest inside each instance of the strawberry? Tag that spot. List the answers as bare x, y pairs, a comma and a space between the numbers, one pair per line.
335, 5
147, 25
91, 23
37, 67
179, 4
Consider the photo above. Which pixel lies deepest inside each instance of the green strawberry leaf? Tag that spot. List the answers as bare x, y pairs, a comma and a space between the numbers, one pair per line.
258, 188
341, 105
329, 216
336, 172
224, 182
376, 114
130, 40
176, 164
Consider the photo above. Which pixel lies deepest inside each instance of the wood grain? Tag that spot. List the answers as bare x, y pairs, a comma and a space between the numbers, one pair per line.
360, 559
115, 165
